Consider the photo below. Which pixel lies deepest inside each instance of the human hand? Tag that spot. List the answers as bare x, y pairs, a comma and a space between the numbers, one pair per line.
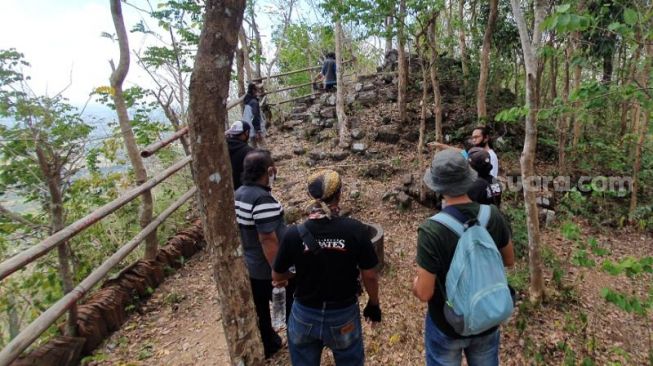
282, 283
372, 312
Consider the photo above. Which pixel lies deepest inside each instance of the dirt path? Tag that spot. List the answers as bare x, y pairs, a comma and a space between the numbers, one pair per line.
179, 325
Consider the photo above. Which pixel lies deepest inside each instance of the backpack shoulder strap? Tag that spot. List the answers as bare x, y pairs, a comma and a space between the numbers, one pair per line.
449, 222
484, 215
308, 239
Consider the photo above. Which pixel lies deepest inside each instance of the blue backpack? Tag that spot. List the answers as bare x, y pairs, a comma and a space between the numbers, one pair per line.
478, 297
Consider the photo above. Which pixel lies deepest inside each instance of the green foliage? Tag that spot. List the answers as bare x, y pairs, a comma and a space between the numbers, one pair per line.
517, 218
580, 258
512, 115
630, 266
627, 303
570, 231
597, 248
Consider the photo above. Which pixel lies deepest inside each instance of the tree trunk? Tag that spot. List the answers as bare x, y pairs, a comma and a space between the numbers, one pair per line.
529, 48
577, 75
258, 53
422, 124
553, 70
563, 125
52, 176
242, 36
343, 129
481, 91
389, 21
240, 72
641, 128
179, 75
210, 83
629, 79
403, 64
435, 84
450, 31
117, 78
463, 45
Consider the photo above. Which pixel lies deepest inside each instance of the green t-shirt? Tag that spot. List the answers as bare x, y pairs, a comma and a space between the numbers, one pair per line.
436, 245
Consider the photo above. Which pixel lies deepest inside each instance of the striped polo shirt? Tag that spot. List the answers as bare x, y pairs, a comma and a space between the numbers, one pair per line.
257, 211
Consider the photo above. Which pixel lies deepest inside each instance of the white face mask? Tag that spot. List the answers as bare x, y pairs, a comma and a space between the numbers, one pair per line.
271, 179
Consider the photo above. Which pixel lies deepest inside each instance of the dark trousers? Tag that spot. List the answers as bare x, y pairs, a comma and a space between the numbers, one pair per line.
262, 294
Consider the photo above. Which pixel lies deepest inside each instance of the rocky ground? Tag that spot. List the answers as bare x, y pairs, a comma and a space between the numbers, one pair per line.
180, 325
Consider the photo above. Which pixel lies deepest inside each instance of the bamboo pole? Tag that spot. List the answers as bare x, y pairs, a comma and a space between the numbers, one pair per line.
154, 147
41, 324
19, 260
293, 72
294, 99
289, 88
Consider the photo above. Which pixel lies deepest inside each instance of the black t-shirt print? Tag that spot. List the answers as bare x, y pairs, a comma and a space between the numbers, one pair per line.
332, 274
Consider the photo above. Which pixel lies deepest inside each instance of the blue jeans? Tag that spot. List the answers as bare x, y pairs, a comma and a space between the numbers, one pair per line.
310, 329
442, 350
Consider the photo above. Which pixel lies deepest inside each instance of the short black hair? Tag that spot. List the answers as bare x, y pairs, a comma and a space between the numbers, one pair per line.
251, 88
256, 165
331, 55
485, 132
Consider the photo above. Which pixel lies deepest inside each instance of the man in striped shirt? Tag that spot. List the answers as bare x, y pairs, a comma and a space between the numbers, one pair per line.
260, 219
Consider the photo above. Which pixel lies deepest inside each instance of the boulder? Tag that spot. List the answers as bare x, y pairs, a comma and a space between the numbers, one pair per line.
367, 97
328, 123
339, 155
328, 112
391, 94
404, 200
388, 134
357, 134
368, 86
411, 136
359, 148
374, 170
317, 155
325, 135
299, 151
291, 125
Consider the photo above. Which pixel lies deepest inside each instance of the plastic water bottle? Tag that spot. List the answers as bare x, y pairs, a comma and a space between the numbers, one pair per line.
278, 307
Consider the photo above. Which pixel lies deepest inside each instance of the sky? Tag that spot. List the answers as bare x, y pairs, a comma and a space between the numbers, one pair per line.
62, 42
61, 39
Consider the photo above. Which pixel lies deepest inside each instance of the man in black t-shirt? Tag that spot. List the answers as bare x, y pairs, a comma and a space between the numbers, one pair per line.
237, 137
328, 258
451, 176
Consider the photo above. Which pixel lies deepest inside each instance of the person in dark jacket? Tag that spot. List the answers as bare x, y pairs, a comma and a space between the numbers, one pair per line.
328, 72
253, 116
237, 137
487, 189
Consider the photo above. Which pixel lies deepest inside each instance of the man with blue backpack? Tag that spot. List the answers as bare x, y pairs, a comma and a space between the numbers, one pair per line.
461, 254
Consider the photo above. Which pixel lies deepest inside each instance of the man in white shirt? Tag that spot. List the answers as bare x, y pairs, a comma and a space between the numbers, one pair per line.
481, 138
